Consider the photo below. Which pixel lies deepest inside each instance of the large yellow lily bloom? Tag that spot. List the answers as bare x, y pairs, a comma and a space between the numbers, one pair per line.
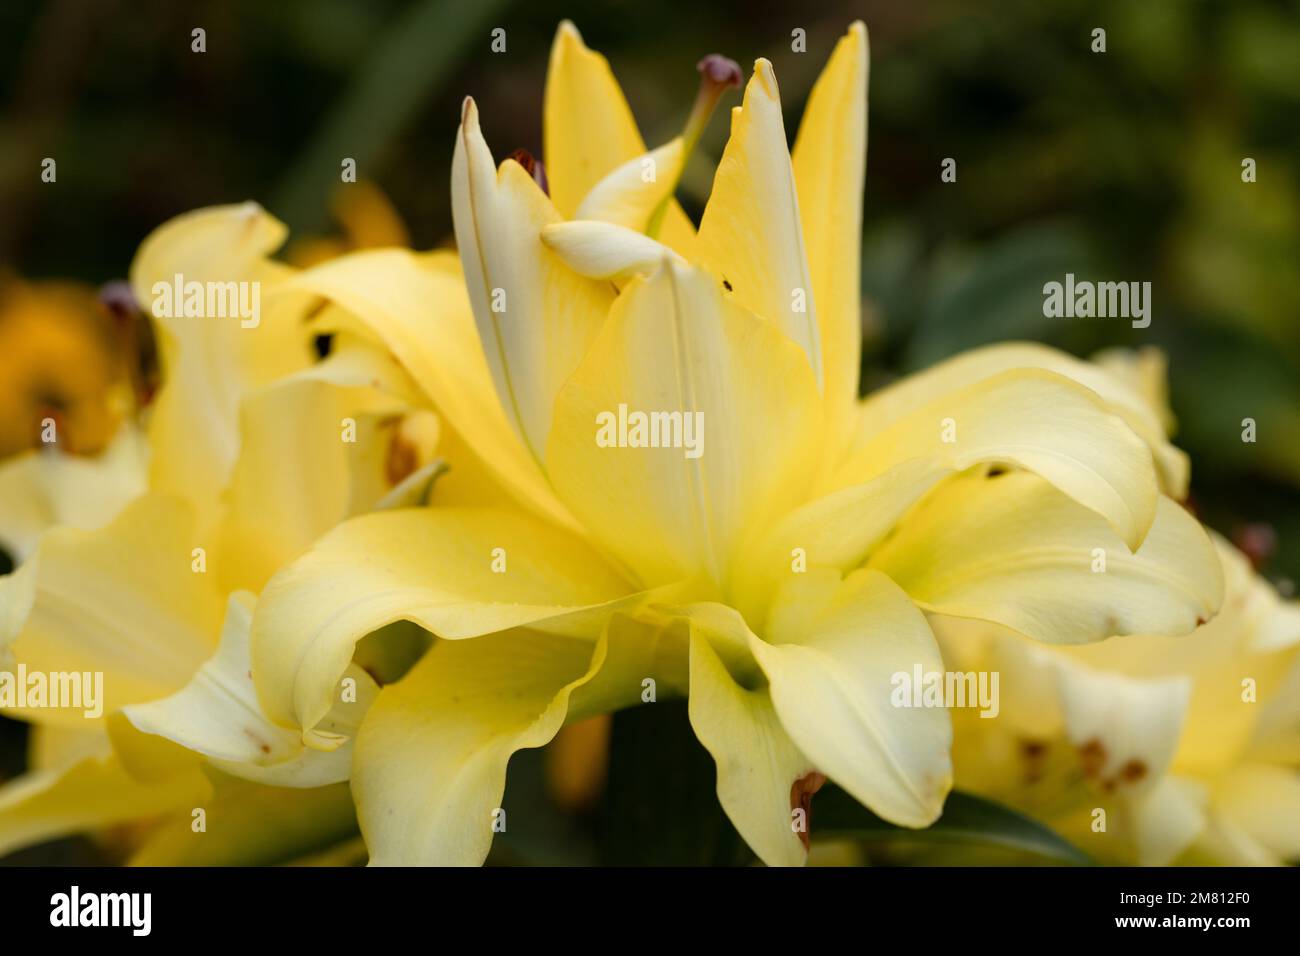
780, 576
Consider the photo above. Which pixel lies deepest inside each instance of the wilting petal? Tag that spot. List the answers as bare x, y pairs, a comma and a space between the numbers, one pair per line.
433, 566
90, 793
431, 757
122, 600
1114, 392
829, 159
217, 714
588, 132
601, 250
741, 394
758, 763
1013, 550
750, 234
831, 653
210, 361
417, 306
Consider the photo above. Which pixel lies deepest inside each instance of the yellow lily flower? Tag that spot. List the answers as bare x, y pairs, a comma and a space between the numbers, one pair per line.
1147, 749
773, 555
1142, 749
57, 362
142, 566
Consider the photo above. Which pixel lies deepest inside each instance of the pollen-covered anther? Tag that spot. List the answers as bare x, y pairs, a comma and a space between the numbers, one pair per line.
413, 445
801, 794
533, 167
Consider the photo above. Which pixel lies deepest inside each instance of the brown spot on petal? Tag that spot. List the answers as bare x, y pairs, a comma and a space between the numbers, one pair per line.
1033, 749
1033, 753
262, 745
1133, 771
1093, 756
801, 795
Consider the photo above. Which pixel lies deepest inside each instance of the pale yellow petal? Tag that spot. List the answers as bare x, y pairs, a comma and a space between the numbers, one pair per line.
829, 159
758, 763
122, 601
630, 193
750, 234
1165, 821
1038, 420
42, 489
601, 250
431, 757
247, 824
1126, 731
588, 131
88, 794
1263, 800
1013, 550
1032, 418
1116, 393
417, 306
833, 652
217, 715
314, 448
456, 572
535, 317
730, 446
210, 361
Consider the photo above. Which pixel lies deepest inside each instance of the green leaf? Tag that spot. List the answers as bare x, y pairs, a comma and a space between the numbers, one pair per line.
967, 820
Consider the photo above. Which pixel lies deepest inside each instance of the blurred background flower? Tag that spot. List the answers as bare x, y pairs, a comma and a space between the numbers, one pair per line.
1122, 165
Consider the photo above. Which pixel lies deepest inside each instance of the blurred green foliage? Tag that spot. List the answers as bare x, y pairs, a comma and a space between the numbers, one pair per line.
1123, 165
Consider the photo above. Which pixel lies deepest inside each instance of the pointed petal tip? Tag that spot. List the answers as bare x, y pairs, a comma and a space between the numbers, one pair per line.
859, 37
765, 77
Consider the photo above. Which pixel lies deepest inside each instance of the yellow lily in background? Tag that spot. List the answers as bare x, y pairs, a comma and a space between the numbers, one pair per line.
143, 566
58, 361
1144, 749
775, 564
